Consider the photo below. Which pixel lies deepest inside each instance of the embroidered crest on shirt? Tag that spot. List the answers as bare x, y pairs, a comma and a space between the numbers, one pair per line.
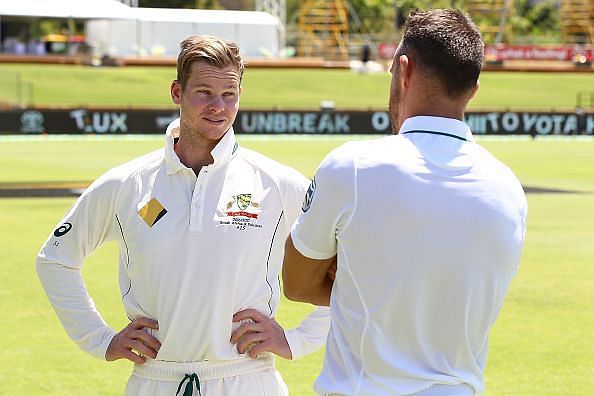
152, 212
243, 201
242, 206
243, 212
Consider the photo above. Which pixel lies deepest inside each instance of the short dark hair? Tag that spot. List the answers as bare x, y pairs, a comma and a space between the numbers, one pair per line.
447, 45
213, 50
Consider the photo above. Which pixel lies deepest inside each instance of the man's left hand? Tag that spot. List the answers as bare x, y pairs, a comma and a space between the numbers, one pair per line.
263, 334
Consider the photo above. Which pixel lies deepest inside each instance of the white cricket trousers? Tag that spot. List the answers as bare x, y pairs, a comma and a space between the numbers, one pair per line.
242, 377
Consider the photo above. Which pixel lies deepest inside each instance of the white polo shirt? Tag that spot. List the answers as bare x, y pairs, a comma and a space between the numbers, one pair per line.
193, 250
428, 228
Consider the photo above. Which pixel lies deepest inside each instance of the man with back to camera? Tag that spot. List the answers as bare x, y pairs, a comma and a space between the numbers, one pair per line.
426, 226
201, 227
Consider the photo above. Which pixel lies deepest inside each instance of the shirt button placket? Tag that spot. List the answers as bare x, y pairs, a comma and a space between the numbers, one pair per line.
196, 197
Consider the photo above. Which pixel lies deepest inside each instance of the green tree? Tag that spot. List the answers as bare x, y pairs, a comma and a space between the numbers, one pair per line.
536, 18
375, 16
245, 5
529, 18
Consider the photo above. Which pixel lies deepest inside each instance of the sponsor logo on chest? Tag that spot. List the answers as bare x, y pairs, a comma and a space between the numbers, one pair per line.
152, 212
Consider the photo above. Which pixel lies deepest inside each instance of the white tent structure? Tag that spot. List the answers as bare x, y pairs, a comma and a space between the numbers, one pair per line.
115, 29
28, 11
64, 9
158, 31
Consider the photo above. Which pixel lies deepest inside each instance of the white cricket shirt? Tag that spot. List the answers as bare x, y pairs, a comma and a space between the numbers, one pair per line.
428, 228
193, 250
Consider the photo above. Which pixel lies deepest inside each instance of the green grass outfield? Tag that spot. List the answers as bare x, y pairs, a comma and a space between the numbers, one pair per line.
542, 343
64, 85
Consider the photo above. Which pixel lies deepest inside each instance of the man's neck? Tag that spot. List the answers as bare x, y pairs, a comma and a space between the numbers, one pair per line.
194, 154
426, 97
457, 114
435, 106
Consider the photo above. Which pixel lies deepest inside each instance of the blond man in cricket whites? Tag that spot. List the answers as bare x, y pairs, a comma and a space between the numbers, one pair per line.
201, 226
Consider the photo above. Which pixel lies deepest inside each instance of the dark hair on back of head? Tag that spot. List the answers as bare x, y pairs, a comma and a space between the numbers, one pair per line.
447, 45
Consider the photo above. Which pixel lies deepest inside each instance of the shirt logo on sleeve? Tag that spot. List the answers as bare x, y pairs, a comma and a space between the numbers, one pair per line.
152, 212
62, 230
309, 195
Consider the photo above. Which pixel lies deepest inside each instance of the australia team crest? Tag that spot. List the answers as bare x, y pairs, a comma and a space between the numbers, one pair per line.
242, 211
242, 205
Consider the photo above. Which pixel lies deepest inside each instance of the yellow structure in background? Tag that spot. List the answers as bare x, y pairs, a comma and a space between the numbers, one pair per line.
492, 17
577, 21
323, 27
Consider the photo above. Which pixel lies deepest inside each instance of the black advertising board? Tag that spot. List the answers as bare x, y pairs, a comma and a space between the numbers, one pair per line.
85, 120
150, 121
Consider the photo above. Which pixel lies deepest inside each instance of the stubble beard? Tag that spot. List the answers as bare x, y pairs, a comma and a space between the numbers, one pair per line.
198, 130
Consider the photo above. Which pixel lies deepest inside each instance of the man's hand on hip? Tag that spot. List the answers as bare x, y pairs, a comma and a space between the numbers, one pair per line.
262, 334
133, 338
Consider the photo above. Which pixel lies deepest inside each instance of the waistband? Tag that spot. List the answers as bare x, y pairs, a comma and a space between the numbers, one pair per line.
159, 370
450, 390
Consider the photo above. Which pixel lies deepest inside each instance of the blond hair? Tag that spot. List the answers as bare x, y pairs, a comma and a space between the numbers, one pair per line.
213, 50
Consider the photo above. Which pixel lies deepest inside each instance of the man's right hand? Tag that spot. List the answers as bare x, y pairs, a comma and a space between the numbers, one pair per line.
134, 338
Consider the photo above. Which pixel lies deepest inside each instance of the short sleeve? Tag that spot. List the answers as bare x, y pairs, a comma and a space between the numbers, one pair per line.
327, 206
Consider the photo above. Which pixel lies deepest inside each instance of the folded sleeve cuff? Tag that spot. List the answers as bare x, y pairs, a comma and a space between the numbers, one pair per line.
305, 250
101, 349
295, 344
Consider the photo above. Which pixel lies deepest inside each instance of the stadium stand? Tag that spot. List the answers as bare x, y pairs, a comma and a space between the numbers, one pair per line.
323, 29
577, 21
492, 17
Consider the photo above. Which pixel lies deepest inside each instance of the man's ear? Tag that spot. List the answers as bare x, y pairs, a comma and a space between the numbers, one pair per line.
176, 92
474, 90
405, 72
